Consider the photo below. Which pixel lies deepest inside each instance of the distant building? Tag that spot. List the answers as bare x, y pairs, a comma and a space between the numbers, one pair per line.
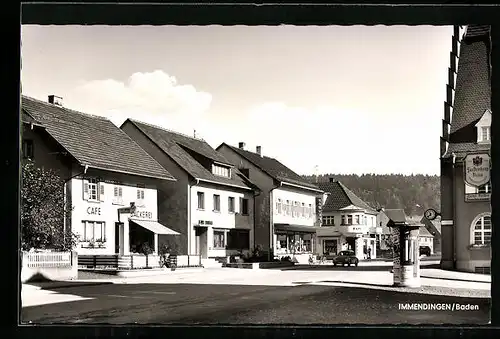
347, 222
286, 215
425, 238
382, 220
465, 149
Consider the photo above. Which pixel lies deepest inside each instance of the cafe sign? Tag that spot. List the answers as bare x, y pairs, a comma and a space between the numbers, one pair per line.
477, 169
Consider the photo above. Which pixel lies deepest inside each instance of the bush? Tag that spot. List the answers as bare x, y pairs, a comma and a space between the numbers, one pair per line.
287, 258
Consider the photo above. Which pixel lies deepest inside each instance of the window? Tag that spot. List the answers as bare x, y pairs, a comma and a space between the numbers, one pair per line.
349, 220
201, 200
238, 239
94, 231
365, 220
357, 219
288, 207
221, 171
343, 220
230, 204
328, 220
486, 188
118, 195
482, 231
278, 206
219, 240
485, 133
310, 210
244, 206
28, 150
303, 210
216, 203
140, 197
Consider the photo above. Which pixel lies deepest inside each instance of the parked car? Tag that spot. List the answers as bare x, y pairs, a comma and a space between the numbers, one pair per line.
425, 250
346, 258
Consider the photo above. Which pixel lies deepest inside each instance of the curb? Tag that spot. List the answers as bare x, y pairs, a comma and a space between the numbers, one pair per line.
52, 286
455, 279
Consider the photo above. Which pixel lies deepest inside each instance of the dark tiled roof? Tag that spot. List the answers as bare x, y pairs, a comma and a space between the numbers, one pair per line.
423, 232
273, 168
93, 140
176, 146
473, 87
28, 119
384, 219
340, 196
477, 30
461, 149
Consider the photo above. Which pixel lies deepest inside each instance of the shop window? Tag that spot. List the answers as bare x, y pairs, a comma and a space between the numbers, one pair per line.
94, 231
219, 240
238, 239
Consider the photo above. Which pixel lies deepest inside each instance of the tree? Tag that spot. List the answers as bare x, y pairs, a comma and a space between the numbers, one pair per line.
43, 210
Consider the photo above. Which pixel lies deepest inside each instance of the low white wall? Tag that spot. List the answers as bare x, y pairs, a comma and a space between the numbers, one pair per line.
50, 265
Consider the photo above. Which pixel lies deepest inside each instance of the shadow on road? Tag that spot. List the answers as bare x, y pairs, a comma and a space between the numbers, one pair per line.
257, 304
331, 267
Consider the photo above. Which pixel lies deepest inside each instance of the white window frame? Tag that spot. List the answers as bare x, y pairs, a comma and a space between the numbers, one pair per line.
118, 195
486, 188
140, 196
221, 171
482, 131
216, 201
219, 233
231, 202
200, 198
93, 190
86, 238
328, 220
242, 204
349, 219
278, 206
473, 231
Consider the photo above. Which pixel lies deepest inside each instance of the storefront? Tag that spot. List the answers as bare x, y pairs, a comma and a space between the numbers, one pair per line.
294, 241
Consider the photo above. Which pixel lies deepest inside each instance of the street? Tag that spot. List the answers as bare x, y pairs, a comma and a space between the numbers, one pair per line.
271, 299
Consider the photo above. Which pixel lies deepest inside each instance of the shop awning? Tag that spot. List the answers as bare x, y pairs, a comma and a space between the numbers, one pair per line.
294, 228
155, 227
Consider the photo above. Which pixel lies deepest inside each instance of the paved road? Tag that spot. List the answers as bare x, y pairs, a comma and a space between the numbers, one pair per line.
240, 304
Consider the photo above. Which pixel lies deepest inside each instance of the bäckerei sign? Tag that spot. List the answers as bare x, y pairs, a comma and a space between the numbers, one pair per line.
477, 169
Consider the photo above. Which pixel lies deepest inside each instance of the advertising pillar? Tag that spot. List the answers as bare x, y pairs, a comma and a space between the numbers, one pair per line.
406, 261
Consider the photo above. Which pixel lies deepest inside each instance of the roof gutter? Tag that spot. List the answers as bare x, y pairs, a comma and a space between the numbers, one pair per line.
131, 173
302, 187
224, 184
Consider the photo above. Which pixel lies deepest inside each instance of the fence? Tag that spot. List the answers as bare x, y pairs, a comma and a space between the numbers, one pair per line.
133, 261
49, 265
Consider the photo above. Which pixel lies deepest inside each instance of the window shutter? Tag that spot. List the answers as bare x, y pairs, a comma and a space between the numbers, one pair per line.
138, 194
142, 194
120, 192
101, 192
85, 189
115, 192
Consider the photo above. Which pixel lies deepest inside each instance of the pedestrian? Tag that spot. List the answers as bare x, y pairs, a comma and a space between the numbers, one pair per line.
369, 253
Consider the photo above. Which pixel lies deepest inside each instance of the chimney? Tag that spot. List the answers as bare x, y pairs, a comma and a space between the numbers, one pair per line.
332, 180
54, 99
241, 145
258, 150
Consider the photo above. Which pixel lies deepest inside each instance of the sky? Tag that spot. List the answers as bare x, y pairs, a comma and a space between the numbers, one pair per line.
320, 99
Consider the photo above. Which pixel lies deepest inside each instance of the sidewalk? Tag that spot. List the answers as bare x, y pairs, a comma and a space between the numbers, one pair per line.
435, 273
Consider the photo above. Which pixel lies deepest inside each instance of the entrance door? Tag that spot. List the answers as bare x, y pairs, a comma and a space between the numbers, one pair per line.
351, 243
119, 245
201, 241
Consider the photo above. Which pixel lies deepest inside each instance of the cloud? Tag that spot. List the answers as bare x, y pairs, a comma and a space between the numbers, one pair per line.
155, 97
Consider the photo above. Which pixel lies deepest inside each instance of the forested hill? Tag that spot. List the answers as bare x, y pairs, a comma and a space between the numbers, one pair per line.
392, 190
